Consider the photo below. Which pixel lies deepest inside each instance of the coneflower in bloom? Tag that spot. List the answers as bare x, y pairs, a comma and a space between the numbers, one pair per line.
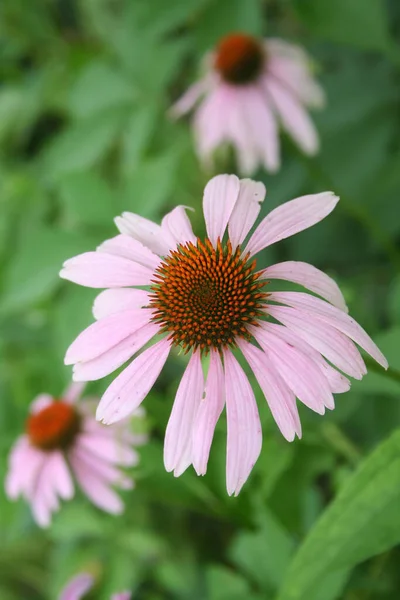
81, 584
208, 298
63, 438
249, 88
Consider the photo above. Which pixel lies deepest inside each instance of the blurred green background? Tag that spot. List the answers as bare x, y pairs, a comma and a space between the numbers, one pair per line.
85, 87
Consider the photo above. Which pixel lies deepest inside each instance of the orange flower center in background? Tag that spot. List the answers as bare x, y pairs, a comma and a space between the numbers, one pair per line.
239, 58
55, 426
206, 297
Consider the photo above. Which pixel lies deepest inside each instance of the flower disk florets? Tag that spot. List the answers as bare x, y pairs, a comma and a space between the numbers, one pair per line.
53, 427
206, 297
239, 58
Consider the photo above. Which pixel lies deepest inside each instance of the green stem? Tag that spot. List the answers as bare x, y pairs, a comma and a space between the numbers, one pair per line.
390, 373
340, 442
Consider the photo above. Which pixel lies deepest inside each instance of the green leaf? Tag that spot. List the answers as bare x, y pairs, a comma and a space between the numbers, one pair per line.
221, 17
82, 144
362, 521
99, 87
87, 199
356, 22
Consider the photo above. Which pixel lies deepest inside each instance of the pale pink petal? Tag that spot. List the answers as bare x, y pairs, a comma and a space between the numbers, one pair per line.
238, 132
294, 117
106, 333
280, 398
190, 98
77, 587
107, 449
122, 596
310, 277
99, 270
129, 389
43, 496
332, 316
73, 392
332, 344
145, 231
178, 226
298, 371
40, 402
220, 196
20, 479
117, 300
187, 400
207, 415
61, 476
246, 210
262, 124
296, 76
210, 121
95, 488
112, 359
338, 383
290, 218
103, 470
244, 427
128, 247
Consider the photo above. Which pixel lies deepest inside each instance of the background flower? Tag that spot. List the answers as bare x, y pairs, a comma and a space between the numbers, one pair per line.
81, 584
62, 438
249, 88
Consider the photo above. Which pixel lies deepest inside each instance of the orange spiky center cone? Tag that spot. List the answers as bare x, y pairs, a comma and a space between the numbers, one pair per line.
239, 58
53, 427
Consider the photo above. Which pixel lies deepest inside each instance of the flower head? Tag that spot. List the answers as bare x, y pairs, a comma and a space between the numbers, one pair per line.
81, 584
207, 297
249, 87
61, 439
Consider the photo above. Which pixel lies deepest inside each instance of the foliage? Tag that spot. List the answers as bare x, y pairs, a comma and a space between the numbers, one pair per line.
85, 134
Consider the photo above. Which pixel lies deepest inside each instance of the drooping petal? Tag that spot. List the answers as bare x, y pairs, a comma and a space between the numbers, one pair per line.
208, 413
246, 210
77, 587
178, 226
290, 218
128, 247
262, 124
43, 497
332, 316
238, 133
280, 398
220, 196
338, 383
332, 344
210, 121
40, 402
190, 98
73, 392
118, 299
95, 488
187, 400
244, 427
310, 277
100, 270
20, 479
146, 232
298, 371
294, 117
130, 388
112, 359
103, 335
107, 449
102, 469
61, 476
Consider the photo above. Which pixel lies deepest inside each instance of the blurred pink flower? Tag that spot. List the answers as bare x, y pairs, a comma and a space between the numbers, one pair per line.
209, 298
62, 437
250, 86
81, 585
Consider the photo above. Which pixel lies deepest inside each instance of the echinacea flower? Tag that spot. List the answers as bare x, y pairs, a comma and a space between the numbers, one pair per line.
81, 584
207, 297
63, 438
249, 88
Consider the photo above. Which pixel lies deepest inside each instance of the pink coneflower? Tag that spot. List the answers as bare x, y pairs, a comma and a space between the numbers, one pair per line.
249, 87
81, 584
62, 437
207, 297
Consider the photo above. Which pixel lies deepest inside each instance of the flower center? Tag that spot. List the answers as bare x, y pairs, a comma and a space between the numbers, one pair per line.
206, 297
55, 426
239, 58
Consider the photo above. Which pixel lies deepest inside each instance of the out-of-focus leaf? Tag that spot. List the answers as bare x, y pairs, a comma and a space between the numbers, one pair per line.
225, 584
354, 22
100, 86
33, 273
222, 17
137, 133
87, 199
362, 521
82, 144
